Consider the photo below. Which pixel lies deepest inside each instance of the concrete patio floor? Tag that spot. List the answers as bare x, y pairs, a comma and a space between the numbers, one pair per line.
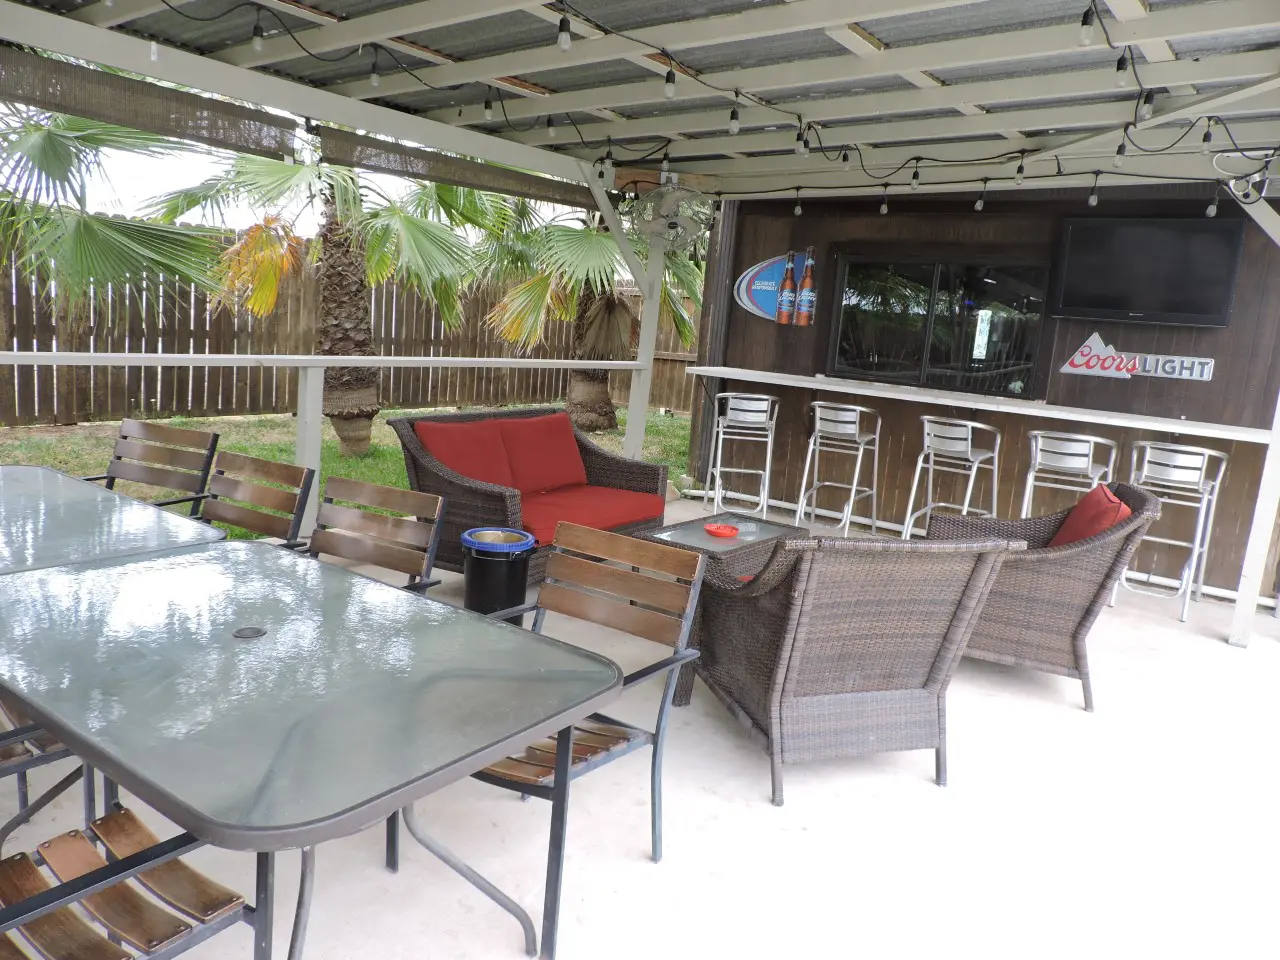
1141, 830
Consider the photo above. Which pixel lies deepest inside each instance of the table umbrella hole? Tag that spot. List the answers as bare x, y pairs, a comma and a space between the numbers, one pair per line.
249, 633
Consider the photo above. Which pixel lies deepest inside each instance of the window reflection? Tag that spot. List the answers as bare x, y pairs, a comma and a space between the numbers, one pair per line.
960, 326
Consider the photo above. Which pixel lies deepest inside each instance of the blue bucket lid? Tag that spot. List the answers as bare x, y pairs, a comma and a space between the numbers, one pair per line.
498, 539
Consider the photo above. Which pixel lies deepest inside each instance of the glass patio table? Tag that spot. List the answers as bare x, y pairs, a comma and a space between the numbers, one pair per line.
48, 518
728, 558
264, 701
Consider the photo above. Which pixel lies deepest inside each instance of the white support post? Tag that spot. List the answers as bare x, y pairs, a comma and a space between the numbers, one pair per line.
1266, 504
642, 379
306, 450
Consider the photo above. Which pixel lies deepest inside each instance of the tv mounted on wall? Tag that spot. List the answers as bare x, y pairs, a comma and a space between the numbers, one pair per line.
1179, 272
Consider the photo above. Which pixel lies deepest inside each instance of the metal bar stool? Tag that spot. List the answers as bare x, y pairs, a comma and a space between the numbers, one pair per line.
749, 418
841, 428
1067, 461
1181, 476
949, 448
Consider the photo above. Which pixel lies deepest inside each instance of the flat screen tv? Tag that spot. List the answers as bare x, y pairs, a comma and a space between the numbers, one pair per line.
1180, 272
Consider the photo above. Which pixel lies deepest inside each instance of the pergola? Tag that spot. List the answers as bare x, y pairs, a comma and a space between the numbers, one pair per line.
739, 98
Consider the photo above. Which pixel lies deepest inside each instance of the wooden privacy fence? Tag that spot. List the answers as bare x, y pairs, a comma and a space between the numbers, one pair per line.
170, 317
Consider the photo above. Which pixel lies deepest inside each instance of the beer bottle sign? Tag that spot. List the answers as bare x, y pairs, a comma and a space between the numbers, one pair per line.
808, 295
787, 292
769, 289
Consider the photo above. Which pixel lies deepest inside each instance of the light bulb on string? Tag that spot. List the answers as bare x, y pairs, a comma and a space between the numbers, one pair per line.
257, 34
488, 106
982, 198
1122, 69
798, 209
884, 201
1093, 194
669, 84
735, 122
915, 177
608, 157
1212, 210
1206, 141
551, 128
666, 167
800, 149
1086, 28
1147, 106
1021, 173
845, 162
155, 51
564, 39
374, 79
1118, 160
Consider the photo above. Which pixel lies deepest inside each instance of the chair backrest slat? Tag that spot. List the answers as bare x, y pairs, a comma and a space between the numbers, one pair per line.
1175, 465
255, 468
161, 433
234, 476
359, 549
837, 419
172, 458
618, 615
152, 453
669, 595
257, 521
406, 544
272, 498
672, 561
164, 477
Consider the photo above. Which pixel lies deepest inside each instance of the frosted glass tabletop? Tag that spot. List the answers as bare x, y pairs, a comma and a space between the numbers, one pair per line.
357, 698
48, 518
692, 533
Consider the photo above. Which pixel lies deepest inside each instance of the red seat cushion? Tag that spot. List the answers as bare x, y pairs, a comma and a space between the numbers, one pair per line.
473, 449
603, 508
1098, 510
543, 453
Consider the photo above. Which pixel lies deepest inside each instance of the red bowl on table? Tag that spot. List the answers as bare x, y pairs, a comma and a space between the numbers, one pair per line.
725, 530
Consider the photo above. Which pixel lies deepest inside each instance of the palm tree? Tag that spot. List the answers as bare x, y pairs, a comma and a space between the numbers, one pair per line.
568, 268
79, 257
366, 237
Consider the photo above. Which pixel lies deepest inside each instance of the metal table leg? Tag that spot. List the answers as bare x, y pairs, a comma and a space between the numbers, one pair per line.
555, 850
263, 906
306, 885
455, 863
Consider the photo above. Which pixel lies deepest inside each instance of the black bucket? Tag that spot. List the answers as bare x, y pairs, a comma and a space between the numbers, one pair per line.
495, 569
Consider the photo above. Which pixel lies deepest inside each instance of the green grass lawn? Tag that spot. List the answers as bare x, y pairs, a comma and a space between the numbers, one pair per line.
84, 450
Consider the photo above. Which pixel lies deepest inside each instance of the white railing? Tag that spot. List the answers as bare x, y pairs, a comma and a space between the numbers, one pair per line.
310, 380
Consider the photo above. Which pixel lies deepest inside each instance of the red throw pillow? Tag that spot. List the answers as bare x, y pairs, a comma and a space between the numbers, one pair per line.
1098, 510
543, 453
473, 449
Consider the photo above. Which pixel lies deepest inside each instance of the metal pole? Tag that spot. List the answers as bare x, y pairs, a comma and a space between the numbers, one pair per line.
642, 379
264, 906
306, 885
306, 451
555, 850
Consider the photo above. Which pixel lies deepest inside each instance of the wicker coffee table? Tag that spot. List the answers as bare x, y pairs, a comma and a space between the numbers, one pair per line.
728, 558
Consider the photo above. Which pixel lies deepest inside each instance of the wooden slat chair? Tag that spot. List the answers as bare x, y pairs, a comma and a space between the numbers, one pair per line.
636, 587
162, 912
170, 458
261, 496
405, 543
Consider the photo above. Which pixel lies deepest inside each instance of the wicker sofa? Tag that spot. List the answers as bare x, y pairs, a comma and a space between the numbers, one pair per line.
840, 648
609, 492
1046, 599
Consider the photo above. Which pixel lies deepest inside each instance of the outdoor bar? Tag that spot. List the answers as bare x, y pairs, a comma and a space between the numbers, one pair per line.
985, 341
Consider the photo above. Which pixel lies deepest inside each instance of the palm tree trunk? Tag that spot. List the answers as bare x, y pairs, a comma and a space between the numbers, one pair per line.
345, 330
588, 402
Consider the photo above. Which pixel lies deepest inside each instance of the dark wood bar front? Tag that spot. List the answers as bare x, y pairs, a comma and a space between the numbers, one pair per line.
1231, 410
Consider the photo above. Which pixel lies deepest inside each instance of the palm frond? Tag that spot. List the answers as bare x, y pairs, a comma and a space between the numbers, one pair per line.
607, 326
584, 256
520, 317
213, 196
671, 310
257, 264
413, 250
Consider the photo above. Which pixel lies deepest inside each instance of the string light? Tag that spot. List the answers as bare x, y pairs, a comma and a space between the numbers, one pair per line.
735, 122
845, 162
565, 37
155, 50
982, 198
257, 34
1206, 142
915, 177
374, 79
798, 209
551, 128
669, 84
801, 149
666, 166
1021, 174
1212, 210
608, 158
1122, 69
1086, 28
1093, 194
1118, 160
884, 201
1146, 109
488, 106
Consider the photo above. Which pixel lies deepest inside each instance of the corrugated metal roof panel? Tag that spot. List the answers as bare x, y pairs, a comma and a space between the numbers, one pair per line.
837, 88
590, 75
225, 27
1120, 96
631, 14
1241, 41
1082, 59
869, 119
349, 63
474, 39
425, 100
973, 19
762, 51
673, 108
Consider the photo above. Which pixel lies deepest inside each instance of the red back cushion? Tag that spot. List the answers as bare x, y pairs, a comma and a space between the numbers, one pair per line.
1098, 510
543, 453
473, 449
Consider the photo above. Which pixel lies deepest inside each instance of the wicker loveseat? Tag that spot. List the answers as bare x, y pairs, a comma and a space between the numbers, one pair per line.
1046, 599
526, 469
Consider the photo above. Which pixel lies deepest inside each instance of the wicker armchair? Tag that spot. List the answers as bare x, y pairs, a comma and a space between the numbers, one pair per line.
1046, 599
845, 647
473, 503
